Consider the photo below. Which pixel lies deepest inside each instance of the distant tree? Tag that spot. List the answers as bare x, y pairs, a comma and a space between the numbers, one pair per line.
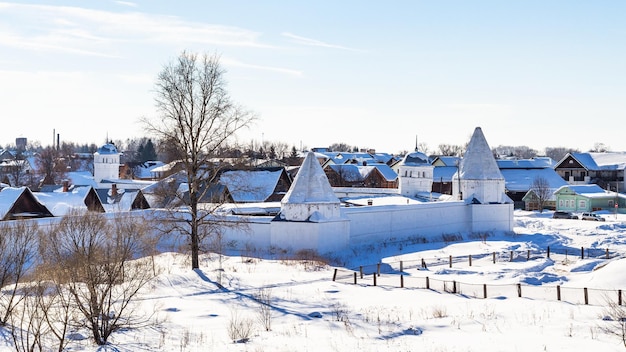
51, 166
450, 150
519, 152
272, 152
558, 153
599, 148
340, 147
423, 148
147, 151
197, 118
541, 191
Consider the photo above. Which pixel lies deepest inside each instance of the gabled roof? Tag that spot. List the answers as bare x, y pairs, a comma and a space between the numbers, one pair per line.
60, 203
446, 160
589, 191
443, 173
122, 199
599, 161
254, 185
310, 184
355, 172
478, 162
20, 202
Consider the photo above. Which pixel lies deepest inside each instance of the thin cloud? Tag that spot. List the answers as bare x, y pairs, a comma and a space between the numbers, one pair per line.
235, 63
314, 42
87, 31
127, 3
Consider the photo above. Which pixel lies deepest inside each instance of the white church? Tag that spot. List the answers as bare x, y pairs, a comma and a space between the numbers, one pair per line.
312, 216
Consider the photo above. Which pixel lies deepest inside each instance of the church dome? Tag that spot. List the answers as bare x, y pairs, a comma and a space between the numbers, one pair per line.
108, 148
416, 158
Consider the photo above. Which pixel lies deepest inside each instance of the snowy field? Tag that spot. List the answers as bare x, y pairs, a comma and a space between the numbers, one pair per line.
283, 305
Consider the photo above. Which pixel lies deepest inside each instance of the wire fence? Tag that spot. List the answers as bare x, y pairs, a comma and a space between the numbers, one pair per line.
398, 275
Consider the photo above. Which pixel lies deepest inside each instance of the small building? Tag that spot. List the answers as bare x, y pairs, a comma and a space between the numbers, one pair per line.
604, 169
65, 199
581, 198
20, 203
366, 176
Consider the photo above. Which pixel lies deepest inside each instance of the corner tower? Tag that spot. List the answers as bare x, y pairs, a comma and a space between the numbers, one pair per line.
106, 163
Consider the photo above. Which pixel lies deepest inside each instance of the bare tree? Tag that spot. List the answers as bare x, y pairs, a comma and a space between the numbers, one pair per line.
450, 150
94, 259
197, 117
51, 166
541, 191
558, 153
18, 244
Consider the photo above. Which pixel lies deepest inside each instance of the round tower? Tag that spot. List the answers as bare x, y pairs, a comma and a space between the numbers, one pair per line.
106, 163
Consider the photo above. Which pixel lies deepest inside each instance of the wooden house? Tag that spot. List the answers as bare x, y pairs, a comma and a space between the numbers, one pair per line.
20, 203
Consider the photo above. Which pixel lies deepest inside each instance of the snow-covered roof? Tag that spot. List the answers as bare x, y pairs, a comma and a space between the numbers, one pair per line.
447, 160
520, 180
478, 162
601, 161
60, 203
415, 159
355, 172
108, 148
534, 163
145, 170
310, 185
443, 173
247, 186
589, 190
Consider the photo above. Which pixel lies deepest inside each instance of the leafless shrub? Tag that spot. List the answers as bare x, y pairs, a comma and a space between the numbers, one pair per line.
451, 237
239, 329
18, 244
615, 317
264, 298
93, 259
439, 312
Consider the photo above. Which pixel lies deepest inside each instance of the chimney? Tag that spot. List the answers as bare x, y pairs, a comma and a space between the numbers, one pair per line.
66, 185
114, 190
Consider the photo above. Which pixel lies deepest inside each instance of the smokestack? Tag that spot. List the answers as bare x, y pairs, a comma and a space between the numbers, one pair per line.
58, 141
66, 185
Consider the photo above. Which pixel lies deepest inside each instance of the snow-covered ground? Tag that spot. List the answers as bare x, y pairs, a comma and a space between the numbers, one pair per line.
310, 312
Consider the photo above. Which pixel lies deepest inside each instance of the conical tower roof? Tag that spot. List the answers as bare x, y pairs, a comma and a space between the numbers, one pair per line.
478, 162
310, 185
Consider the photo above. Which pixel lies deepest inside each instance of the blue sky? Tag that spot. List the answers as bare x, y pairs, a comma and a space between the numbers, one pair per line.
367, 73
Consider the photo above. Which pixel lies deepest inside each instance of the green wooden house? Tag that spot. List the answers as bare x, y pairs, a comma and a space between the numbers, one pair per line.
584, 198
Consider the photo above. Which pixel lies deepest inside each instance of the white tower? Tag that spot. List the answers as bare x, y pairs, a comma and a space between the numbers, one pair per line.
415, 174
479, 178
106, 163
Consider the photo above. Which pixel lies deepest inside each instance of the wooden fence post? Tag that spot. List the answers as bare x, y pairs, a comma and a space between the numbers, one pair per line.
401, 281
548, 252
355, 277
484, 290
335, 274
494, 257
519, 290
378, 269
558, 292
401, 266
619, 297
454, 286
582, 252
470, 260
374, 279
424, 264
528, 255
511, 256
586, 296
361, 270
427, 283
450, 261
607, 253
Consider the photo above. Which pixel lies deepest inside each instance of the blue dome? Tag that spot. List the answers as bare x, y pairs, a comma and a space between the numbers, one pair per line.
108, 149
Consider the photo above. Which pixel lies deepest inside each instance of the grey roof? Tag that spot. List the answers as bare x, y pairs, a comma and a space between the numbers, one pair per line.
478, 162
355, 172
311, 184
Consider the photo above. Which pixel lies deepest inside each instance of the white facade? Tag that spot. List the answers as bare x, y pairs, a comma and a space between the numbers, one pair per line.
415, 174
106, 163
